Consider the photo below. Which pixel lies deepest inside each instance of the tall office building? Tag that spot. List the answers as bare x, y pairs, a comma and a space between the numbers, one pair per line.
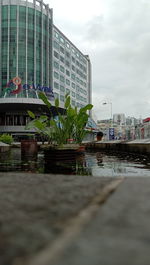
36, 56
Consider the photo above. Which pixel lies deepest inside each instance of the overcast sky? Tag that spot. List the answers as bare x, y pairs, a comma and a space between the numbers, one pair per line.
116, 36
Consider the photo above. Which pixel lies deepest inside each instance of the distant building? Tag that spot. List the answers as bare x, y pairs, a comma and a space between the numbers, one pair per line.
119, 118
132, 121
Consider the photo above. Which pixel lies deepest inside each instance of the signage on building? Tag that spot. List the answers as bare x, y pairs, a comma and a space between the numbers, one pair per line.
111, 134
14, 86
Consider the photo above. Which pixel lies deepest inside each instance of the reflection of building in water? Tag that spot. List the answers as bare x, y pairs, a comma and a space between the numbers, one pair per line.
119, 167
99, 157
76, 166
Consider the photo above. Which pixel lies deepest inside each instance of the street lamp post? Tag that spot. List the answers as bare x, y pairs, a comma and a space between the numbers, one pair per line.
111, 130
105, 103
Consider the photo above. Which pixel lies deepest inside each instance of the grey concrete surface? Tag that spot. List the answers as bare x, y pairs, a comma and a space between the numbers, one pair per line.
139, 147
60, 220
35, 209
4, 147
119, 234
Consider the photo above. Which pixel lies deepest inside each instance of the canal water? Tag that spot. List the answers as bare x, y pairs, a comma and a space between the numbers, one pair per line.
101, 164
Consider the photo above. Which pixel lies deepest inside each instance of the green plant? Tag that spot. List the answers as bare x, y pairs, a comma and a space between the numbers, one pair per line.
6, 138
69, 125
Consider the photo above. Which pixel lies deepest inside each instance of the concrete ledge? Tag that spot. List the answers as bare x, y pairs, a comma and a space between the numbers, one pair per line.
4, 147
132, 146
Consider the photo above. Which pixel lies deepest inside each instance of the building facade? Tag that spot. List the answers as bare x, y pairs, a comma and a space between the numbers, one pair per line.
36, 56
119, 118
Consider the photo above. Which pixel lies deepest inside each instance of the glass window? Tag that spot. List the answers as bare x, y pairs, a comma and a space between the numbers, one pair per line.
67, 73
77, 79
67, 91
62, 49
56, 85
78, 89
81, 82
62, 59
68, 82
77, 62
13, 13
67, 54
62, 79
56, 75
62, 98
56, 45
77, 54
56, 34
73, 85
73, 59
67, 63
4, 13
56, 54
67, 45
62, 88
73, 94
62, 40
62, 69
56, 65
73, 68
73, 76
56, 95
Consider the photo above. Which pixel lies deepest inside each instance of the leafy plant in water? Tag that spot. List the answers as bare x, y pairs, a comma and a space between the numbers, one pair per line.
69, 125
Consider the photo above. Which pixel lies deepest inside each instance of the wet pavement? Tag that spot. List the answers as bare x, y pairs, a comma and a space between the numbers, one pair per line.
93, 163
119, 233
51, 219
35, 209
61, 220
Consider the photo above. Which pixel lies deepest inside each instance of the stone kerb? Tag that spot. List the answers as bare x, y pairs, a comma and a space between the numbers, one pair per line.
141, 148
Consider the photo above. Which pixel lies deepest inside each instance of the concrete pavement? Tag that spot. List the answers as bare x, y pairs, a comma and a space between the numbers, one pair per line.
77, 220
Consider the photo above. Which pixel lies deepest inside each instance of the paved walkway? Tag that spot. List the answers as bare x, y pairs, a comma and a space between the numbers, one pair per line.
74, 220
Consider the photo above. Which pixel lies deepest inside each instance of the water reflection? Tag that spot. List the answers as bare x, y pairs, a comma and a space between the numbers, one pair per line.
76, 166
120, 164
92, 163
99, 157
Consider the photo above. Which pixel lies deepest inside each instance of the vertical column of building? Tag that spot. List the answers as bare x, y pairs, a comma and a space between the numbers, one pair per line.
89, 83
47, 47
41, 42
8, 50
17, 39
51, 48
26, 69
34, 41
0, 46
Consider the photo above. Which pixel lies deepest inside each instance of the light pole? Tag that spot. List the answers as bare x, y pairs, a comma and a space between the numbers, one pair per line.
105, 103
111, 130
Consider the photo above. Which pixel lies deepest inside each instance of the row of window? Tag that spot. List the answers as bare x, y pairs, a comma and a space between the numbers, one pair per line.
67, 64
73, 102
14, 120
62, 69
73, 94
68, 57
73, 77
78, 88
22, 15
67, 44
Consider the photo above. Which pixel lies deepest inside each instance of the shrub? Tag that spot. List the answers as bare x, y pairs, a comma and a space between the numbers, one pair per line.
6, 138
64, 127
